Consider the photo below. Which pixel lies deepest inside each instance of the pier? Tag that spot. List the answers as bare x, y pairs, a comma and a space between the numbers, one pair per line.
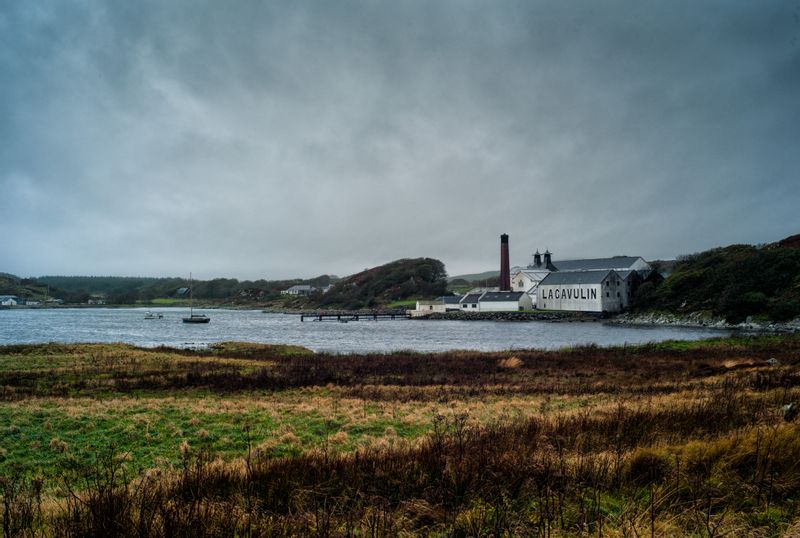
344, 318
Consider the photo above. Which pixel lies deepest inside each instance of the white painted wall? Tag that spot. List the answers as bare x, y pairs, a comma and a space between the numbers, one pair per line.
524, 303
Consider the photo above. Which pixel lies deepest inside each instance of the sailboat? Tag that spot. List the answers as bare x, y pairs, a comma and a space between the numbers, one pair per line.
194, 318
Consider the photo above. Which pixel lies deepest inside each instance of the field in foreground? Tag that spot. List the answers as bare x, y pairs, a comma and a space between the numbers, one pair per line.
664, 439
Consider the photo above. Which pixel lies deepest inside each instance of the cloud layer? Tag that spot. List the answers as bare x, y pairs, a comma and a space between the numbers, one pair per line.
280, 139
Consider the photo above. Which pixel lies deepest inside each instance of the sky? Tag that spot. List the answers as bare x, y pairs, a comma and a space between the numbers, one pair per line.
252, 139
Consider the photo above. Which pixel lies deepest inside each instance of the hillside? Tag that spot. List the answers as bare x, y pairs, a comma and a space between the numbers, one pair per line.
733, 282
394, 281
21, 287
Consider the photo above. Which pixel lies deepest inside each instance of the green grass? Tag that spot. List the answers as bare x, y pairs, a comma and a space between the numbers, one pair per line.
167, 301
406, 303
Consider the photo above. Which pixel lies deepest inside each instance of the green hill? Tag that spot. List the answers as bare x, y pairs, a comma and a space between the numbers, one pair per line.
26, 288
733, 282
379, 286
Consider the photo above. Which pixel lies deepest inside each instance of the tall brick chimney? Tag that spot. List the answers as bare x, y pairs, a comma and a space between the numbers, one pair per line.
505, 269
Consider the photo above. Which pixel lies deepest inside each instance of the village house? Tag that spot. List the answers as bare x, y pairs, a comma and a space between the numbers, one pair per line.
10, 300
299, 289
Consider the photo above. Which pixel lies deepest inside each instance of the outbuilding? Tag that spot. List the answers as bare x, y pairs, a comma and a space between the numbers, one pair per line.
504, 301
470, 302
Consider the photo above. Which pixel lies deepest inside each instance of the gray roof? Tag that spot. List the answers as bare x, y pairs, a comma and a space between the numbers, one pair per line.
617, 262
450, 299
625, 274
575, 277
471, 298
502, 296
5, 297
301, 287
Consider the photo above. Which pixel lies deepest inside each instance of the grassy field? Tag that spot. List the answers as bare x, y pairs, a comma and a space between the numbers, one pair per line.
676, 438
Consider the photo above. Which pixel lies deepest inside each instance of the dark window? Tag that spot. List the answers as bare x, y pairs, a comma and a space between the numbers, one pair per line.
617, 294
607, 295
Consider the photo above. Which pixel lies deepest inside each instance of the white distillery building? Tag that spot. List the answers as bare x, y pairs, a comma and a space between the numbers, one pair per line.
583, 291
631, 269
495, 301
471, 301
528, 279
504, 301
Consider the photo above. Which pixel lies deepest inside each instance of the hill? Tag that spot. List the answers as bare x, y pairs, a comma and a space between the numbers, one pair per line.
733, 282
394, 281
476, 277
21, 287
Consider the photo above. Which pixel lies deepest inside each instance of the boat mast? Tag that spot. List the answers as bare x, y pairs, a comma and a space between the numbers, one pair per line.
190, 294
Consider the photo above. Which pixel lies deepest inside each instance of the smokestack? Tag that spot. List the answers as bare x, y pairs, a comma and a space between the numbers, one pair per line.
505, 269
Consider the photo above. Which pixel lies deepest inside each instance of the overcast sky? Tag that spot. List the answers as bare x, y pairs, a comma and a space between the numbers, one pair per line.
282, 139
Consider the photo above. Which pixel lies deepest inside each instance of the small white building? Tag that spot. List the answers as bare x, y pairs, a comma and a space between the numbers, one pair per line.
429, 307
582, 291
504, 301
299, 289
471, 301
10, 300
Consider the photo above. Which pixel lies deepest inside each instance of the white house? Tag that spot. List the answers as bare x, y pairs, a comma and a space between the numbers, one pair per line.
504, 301
583, 291
9, 300
299, 289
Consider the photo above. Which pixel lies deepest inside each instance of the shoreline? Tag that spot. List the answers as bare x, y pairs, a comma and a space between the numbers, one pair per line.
698, 320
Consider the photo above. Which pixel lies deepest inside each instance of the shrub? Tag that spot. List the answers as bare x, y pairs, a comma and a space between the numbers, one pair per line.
648, 466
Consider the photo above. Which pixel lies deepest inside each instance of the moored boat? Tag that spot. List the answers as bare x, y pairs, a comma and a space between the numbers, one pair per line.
194, 318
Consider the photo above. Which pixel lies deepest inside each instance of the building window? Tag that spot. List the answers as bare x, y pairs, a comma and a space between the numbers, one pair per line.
617, 294
607, 295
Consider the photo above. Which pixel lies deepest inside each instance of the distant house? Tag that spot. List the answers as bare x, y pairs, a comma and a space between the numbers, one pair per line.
180, 292
10, 300
299, 289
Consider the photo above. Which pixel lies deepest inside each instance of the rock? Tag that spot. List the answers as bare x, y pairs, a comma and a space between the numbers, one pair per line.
790, 412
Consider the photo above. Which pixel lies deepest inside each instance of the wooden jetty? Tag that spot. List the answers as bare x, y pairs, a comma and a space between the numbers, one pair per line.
344, 318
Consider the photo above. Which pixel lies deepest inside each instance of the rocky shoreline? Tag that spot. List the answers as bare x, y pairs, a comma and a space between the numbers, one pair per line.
510, 316
703, 320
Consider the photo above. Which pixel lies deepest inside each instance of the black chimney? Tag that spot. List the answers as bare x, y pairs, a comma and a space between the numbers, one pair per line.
537, 259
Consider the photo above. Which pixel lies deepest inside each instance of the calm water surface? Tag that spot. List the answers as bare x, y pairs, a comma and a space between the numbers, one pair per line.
128, 325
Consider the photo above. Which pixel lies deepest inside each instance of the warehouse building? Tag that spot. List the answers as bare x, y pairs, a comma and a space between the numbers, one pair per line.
583, 291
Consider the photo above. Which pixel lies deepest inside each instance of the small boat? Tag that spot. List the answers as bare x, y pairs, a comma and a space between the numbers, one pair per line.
150, 315
194, 318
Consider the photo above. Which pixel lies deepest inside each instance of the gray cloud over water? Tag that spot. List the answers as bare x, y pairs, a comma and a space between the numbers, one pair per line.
280, 139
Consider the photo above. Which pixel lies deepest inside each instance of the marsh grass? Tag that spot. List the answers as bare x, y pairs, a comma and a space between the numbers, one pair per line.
664, 439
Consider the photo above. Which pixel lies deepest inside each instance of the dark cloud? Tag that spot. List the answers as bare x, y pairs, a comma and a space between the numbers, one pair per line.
257, 139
